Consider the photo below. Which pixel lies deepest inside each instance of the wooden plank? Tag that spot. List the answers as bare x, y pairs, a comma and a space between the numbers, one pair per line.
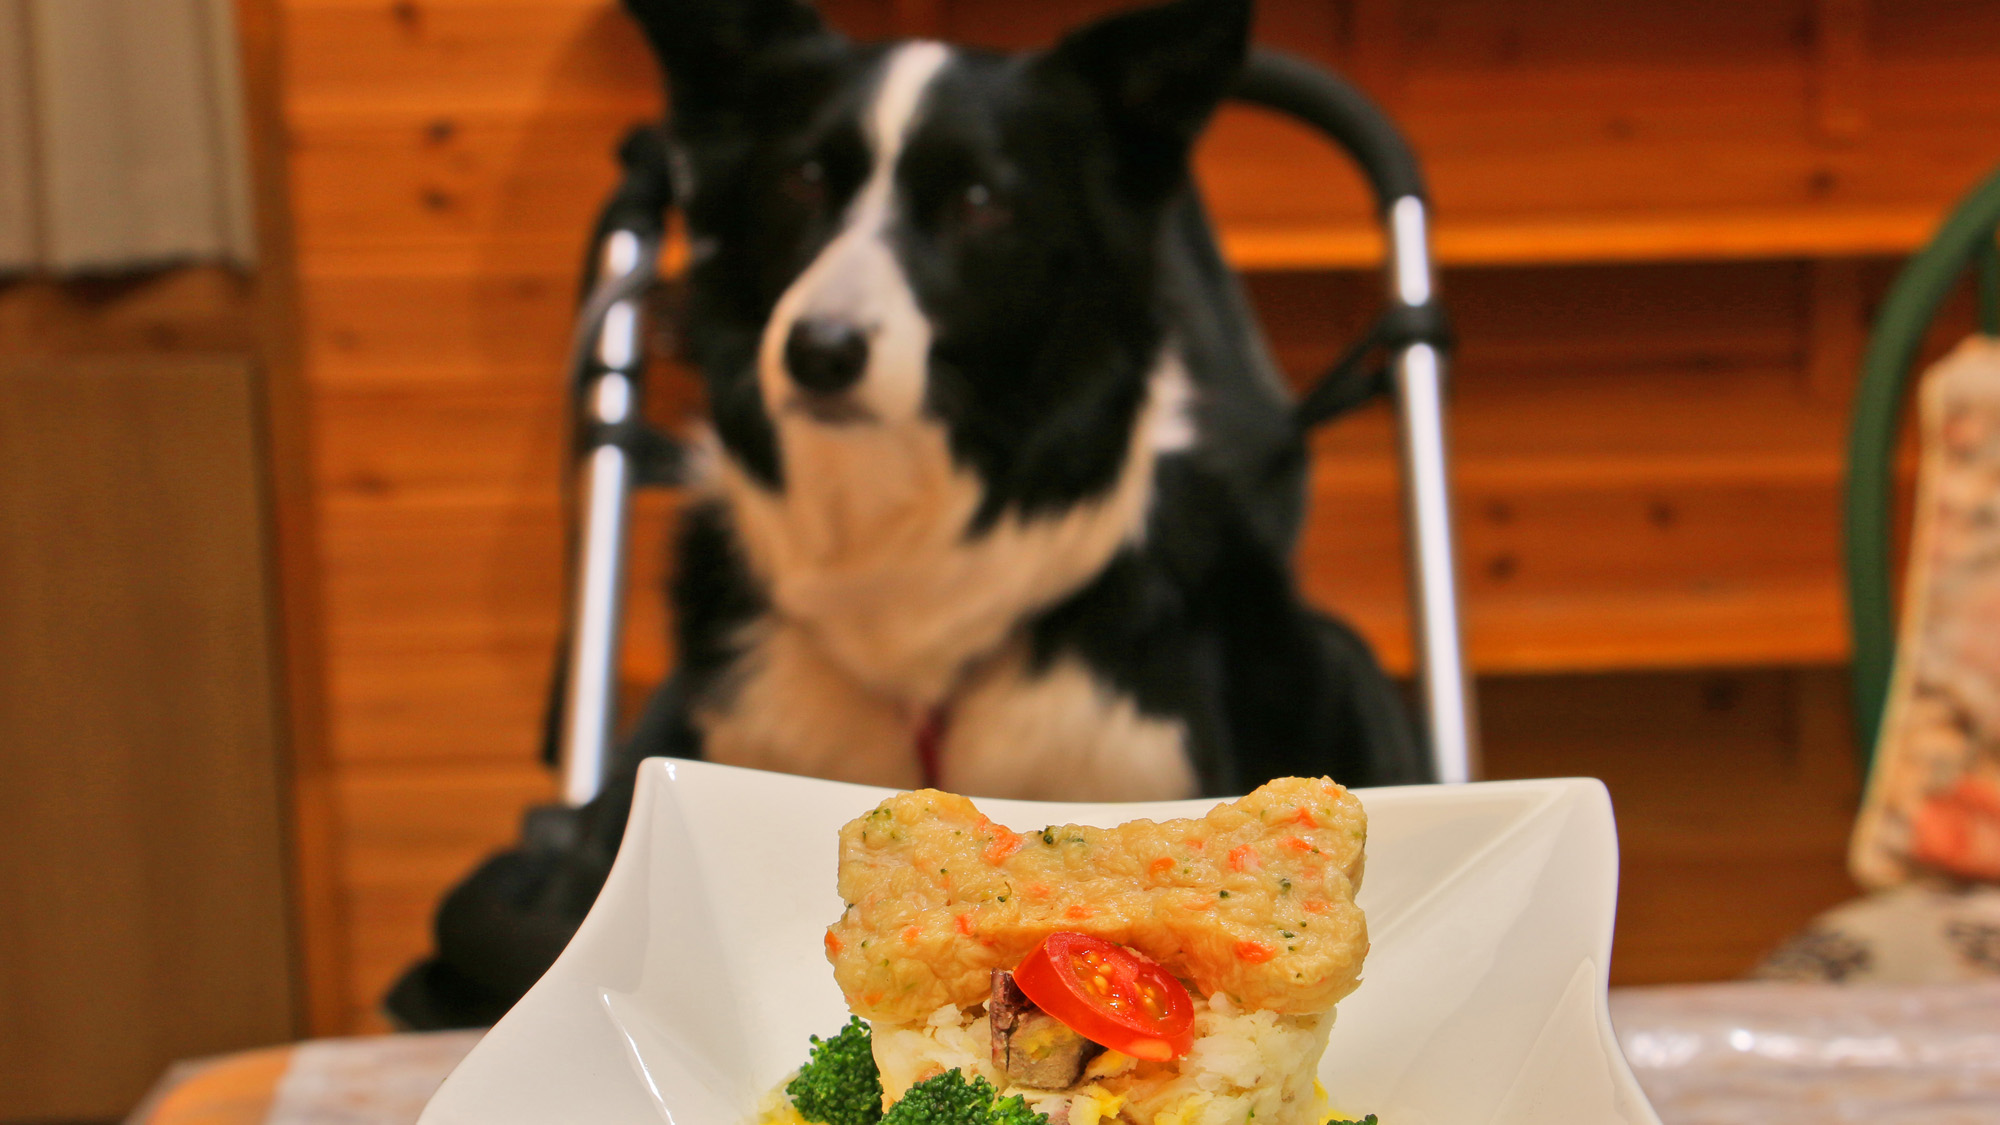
459, 570
1733, 235
528, 56
1559, 35
1720, 235
501, 179
146, 916
491, 179
405, 331
441, 57
1841, 69
1543, 143
1655, 574
199, 309
317, 910
1624, 365
919, 19
440, 700
1837, 332
1934, 31
648, 648
1379, 55
381, 448
1734, 794
439, 672
497, 173
514, 194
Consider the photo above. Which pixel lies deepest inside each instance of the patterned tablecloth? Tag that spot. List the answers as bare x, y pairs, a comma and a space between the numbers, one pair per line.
1725, 1054
1793, 1054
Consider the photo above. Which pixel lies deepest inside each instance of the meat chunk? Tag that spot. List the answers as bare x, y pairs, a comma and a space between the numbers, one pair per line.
1030, 1046
1255, 899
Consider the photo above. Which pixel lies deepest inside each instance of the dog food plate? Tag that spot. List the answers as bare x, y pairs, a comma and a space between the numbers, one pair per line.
691, 987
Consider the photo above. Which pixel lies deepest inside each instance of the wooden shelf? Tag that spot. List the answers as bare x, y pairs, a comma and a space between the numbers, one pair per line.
1573, 563
1749, 626
1541, 241
1745, 236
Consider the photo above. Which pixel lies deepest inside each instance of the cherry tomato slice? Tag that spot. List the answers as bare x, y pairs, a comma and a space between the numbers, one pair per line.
1110, 995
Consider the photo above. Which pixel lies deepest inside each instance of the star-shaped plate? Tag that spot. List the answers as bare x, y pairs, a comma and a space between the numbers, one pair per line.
690, 989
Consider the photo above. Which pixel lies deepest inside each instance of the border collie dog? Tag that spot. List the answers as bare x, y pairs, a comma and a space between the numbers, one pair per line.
1004, 485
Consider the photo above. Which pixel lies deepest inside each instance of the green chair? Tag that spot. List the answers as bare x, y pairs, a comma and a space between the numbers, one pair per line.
1965, 240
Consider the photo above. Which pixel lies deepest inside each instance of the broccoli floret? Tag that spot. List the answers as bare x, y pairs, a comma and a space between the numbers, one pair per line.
1014, 1111
1368, 1120
839, 1084
948, 1099
943, 1099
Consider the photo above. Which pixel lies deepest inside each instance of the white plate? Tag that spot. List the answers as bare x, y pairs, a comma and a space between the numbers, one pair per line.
690, 989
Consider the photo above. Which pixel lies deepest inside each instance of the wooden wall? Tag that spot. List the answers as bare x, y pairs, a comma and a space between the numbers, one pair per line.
143, 905
1734, 792
1664, 224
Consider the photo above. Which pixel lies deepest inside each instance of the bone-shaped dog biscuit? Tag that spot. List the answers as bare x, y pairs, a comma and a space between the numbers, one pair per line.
1255, 900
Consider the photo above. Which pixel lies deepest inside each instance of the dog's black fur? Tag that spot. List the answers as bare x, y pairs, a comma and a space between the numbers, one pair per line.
1047, 227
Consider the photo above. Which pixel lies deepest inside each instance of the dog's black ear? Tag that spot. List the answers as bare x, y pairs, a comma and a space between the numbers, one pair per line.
1159, 72
707, 46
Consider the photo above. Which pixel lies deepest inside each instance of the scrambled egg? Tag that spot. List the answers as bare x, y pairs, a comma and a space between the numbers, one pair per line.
1254, 901
777, 1108
1091, 1104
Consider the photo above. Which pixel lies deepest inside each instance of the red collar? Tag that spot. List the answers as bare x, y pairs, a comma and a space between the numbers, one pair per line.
930, 740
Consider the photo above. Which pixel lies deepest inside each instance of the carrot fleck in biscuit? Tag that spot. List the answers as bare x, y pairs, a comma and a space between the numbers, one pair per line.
1254, 900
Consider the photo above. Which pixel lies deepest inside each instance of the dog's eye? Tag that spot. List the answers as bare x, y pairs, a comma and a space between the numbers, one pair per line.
804, 183
980, 210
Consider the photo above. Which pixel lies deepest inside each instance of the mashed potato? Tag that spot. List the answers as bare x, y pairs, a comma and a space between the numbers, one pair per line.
1245, 1065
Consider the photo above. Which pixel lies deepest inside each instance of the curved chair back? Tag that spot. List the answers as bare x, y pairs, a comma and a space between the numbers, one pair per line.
1965, 239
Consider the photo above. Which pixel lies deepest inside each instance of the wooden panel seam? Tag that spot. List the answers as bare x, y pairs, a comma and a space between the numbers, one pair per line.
319, 910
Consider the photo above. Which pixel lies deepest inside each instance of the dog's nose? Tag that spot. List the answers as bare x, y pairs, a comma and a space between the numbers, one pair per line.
826, 356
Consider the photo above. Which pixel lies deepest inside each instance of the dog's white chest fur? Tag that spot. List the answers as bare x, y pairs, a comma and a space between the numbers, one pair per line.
1057, 734
884, 610
867, 549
